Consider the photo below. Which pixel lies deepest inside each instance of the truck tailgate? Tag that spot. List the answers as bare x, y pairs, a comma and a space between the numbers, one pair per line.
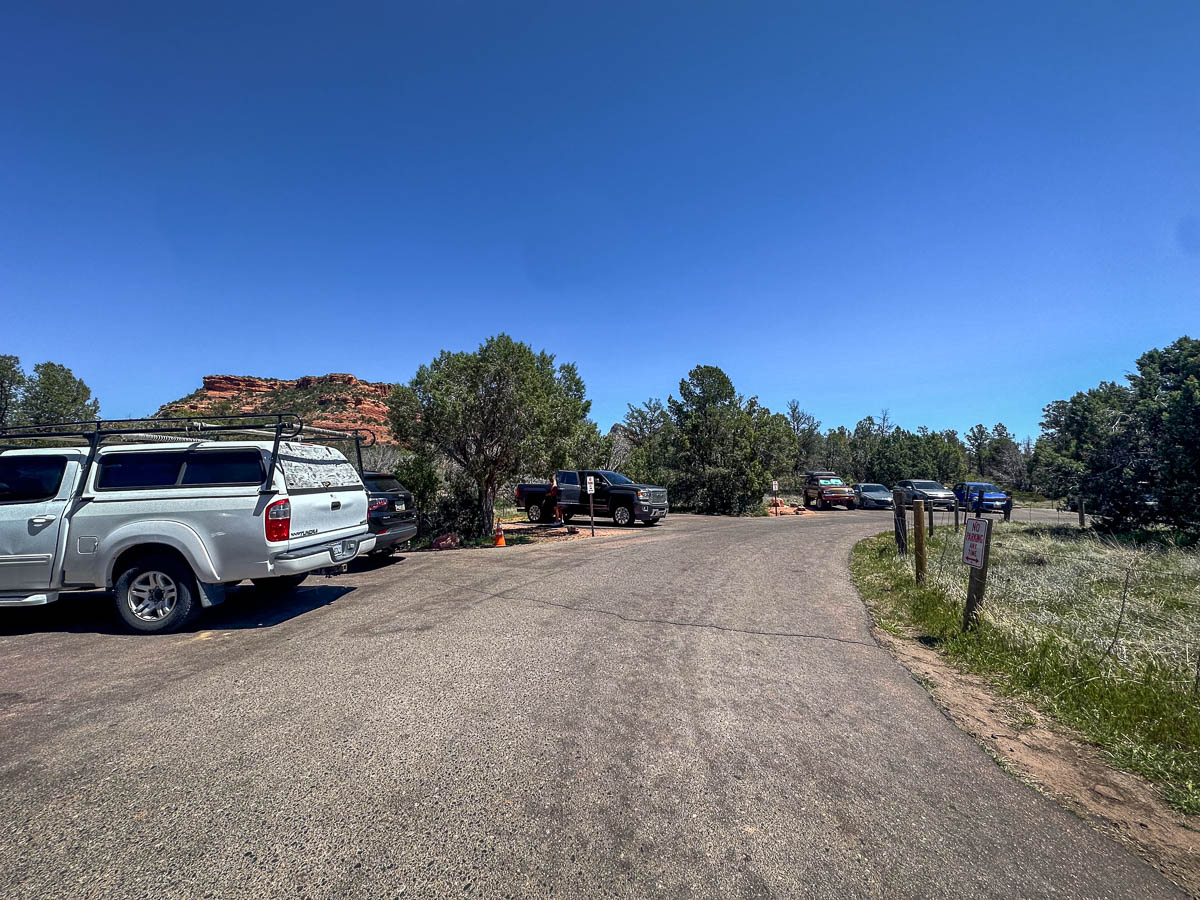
327, 497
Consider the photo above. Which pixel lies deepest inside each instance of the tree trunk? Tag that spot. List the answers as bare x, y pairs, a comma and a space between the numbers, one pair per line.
487, 508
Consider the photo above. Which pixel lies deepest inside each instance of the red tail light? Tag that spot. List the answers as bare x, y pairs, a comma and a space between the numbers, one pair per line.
379, 504
278, 520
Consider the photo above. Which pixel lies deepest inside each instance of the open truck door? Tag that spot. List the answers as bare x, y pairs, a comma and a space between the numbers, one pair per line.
568, 489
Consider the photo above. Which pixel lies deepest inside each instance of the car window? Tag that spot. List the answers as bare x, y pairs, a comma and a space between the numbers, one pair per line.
928, 485
384, 485
135, 471
832, 481
614, 477
30, 479
223, 467
571, 478
315, 466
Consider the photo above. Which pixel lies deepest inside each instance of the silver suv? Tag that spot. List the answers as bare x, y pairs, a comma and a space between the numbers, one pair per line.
169, 526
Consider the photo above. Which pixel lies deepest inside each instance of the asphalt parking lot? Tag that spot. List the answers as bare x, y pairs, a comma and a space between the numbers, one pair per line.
696, 709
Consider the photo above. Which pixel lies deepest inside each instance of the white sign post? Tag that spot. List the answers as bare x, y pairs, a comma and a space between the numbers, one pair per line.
591, 489
975, 543
977, 550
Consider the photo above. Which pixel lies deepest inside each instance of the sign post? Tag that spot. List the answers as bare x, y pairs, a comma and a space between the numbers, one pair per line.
775, 491
977, 550
591, 489
919, 539
899, 524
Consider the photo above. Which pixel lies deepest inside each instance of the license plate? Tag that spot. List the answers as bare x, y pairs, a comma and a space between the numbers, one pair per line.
344, 550
400, 506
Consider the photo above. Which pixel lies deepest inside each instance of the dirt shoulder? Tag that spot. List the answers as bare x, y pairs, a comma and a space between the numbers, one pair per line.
1046, 756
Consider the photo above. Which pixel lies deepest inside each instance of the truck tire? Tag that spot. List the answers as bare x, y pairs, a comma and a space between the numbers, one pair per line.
533, 512
623, 515
156, 594
281, 584
850, 505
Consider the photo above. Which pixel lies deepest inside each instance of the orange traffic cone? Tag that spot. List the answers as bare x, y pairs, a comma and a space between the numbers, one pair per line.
499, 542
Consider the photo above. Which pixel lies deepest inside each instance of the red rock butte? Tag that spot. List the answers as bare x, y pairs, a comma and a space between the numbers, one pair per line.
336, 400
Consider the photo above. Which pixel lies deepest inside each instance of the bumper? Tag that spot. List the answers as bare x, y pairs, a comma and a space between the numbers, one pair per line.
650, 512
396, 534
838, 500
318, 556
868, 503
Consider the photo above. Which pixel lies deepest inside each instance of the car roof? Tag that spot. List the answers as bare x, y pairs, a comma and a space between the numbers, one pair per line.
40, 451
192, 445
156, 445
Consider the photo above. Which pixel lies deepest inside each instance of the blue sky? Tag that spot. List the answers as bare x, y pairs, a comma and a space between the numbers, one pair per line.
957, 211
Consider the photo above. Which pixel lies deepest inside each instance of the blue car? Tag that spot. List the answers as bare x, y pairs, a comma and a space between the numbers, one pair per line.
994, 499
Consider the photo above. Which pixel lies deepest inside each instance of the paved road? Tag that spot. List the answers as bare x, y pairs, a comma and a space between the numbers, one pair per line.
693, 709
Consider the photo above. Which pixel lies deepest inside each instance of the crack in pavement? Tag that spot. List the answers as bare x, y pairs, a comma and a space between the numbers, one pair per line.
705, 625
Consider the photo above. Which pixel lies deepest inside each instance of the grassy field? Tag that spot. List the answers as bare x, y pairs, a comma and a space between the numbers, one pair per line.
1061, 628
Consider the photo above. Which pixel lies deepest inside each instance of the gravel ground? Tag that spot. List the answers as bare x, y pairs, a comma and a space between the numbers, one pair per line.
692, 709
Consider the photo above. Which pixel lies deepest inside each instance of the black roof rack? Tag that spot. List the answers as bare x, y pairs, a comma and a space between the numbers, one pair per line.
175, 429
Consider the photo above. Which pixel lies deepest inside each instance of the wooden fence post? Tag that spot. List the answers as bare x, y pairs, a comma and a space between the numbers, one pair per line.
956, 514
919, 539
1082, 518
899, 523
930, 514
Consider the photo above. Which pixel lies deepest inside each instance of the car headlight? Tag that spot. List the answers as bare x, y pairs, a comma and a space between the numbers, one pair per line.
643, 495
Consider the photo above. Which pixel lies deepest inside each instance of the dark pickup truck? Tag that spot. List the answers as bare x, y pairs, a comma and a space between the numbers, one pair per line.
615, 496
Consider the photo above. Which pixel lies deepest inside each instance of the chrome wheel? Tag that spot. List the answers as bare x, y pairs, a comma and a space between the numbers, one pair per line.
533, 512
152, 596
622, 516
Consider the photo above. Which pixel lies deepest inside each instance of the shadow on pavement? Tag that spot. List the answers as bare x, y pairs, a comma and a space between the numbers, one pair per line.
246, 607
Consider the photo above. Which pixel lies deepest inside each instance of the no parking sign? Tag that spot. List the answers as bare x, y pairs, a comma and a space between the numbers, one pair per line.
975, 542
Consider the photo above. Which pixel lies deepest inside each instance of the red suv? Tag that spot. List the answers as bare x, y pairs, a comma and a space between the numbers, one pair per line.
826, 489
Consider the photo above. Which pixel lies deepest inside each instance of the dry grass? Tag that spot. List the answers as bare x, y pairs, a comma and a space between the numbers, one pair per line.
1104, 635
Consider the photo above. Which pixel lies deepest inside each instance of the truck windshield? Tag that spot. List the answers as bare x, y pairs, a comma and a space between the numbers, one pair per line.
832, 481
384, 485
615, 478
927, 486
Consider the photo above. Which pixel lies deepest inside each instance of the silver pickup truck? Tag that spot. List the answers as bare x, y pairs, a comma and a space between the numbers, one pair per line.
167, 527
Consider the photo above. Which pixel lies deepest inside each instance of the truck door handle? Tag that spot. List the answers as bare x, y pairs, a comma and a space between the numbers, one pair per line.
42, 520
336, 504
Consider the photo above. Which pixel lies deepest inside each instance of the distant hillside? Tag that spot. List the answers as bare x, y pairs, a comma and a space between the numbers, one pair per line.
331, 401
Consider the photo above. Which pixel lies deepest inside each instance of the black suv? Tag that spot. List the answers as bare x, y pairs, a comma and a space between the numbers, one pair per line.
390, 513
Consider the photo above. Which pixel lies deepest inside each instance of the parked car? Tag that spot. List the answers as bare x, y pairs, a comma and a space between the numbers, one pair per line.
916, 489
824, 489
616, 496
994, 499
391, 516
168, 527
872, 496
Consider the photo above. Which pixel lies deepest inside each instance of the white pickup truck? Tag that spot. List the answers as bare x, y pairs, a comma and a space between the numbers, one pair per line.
167, 527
